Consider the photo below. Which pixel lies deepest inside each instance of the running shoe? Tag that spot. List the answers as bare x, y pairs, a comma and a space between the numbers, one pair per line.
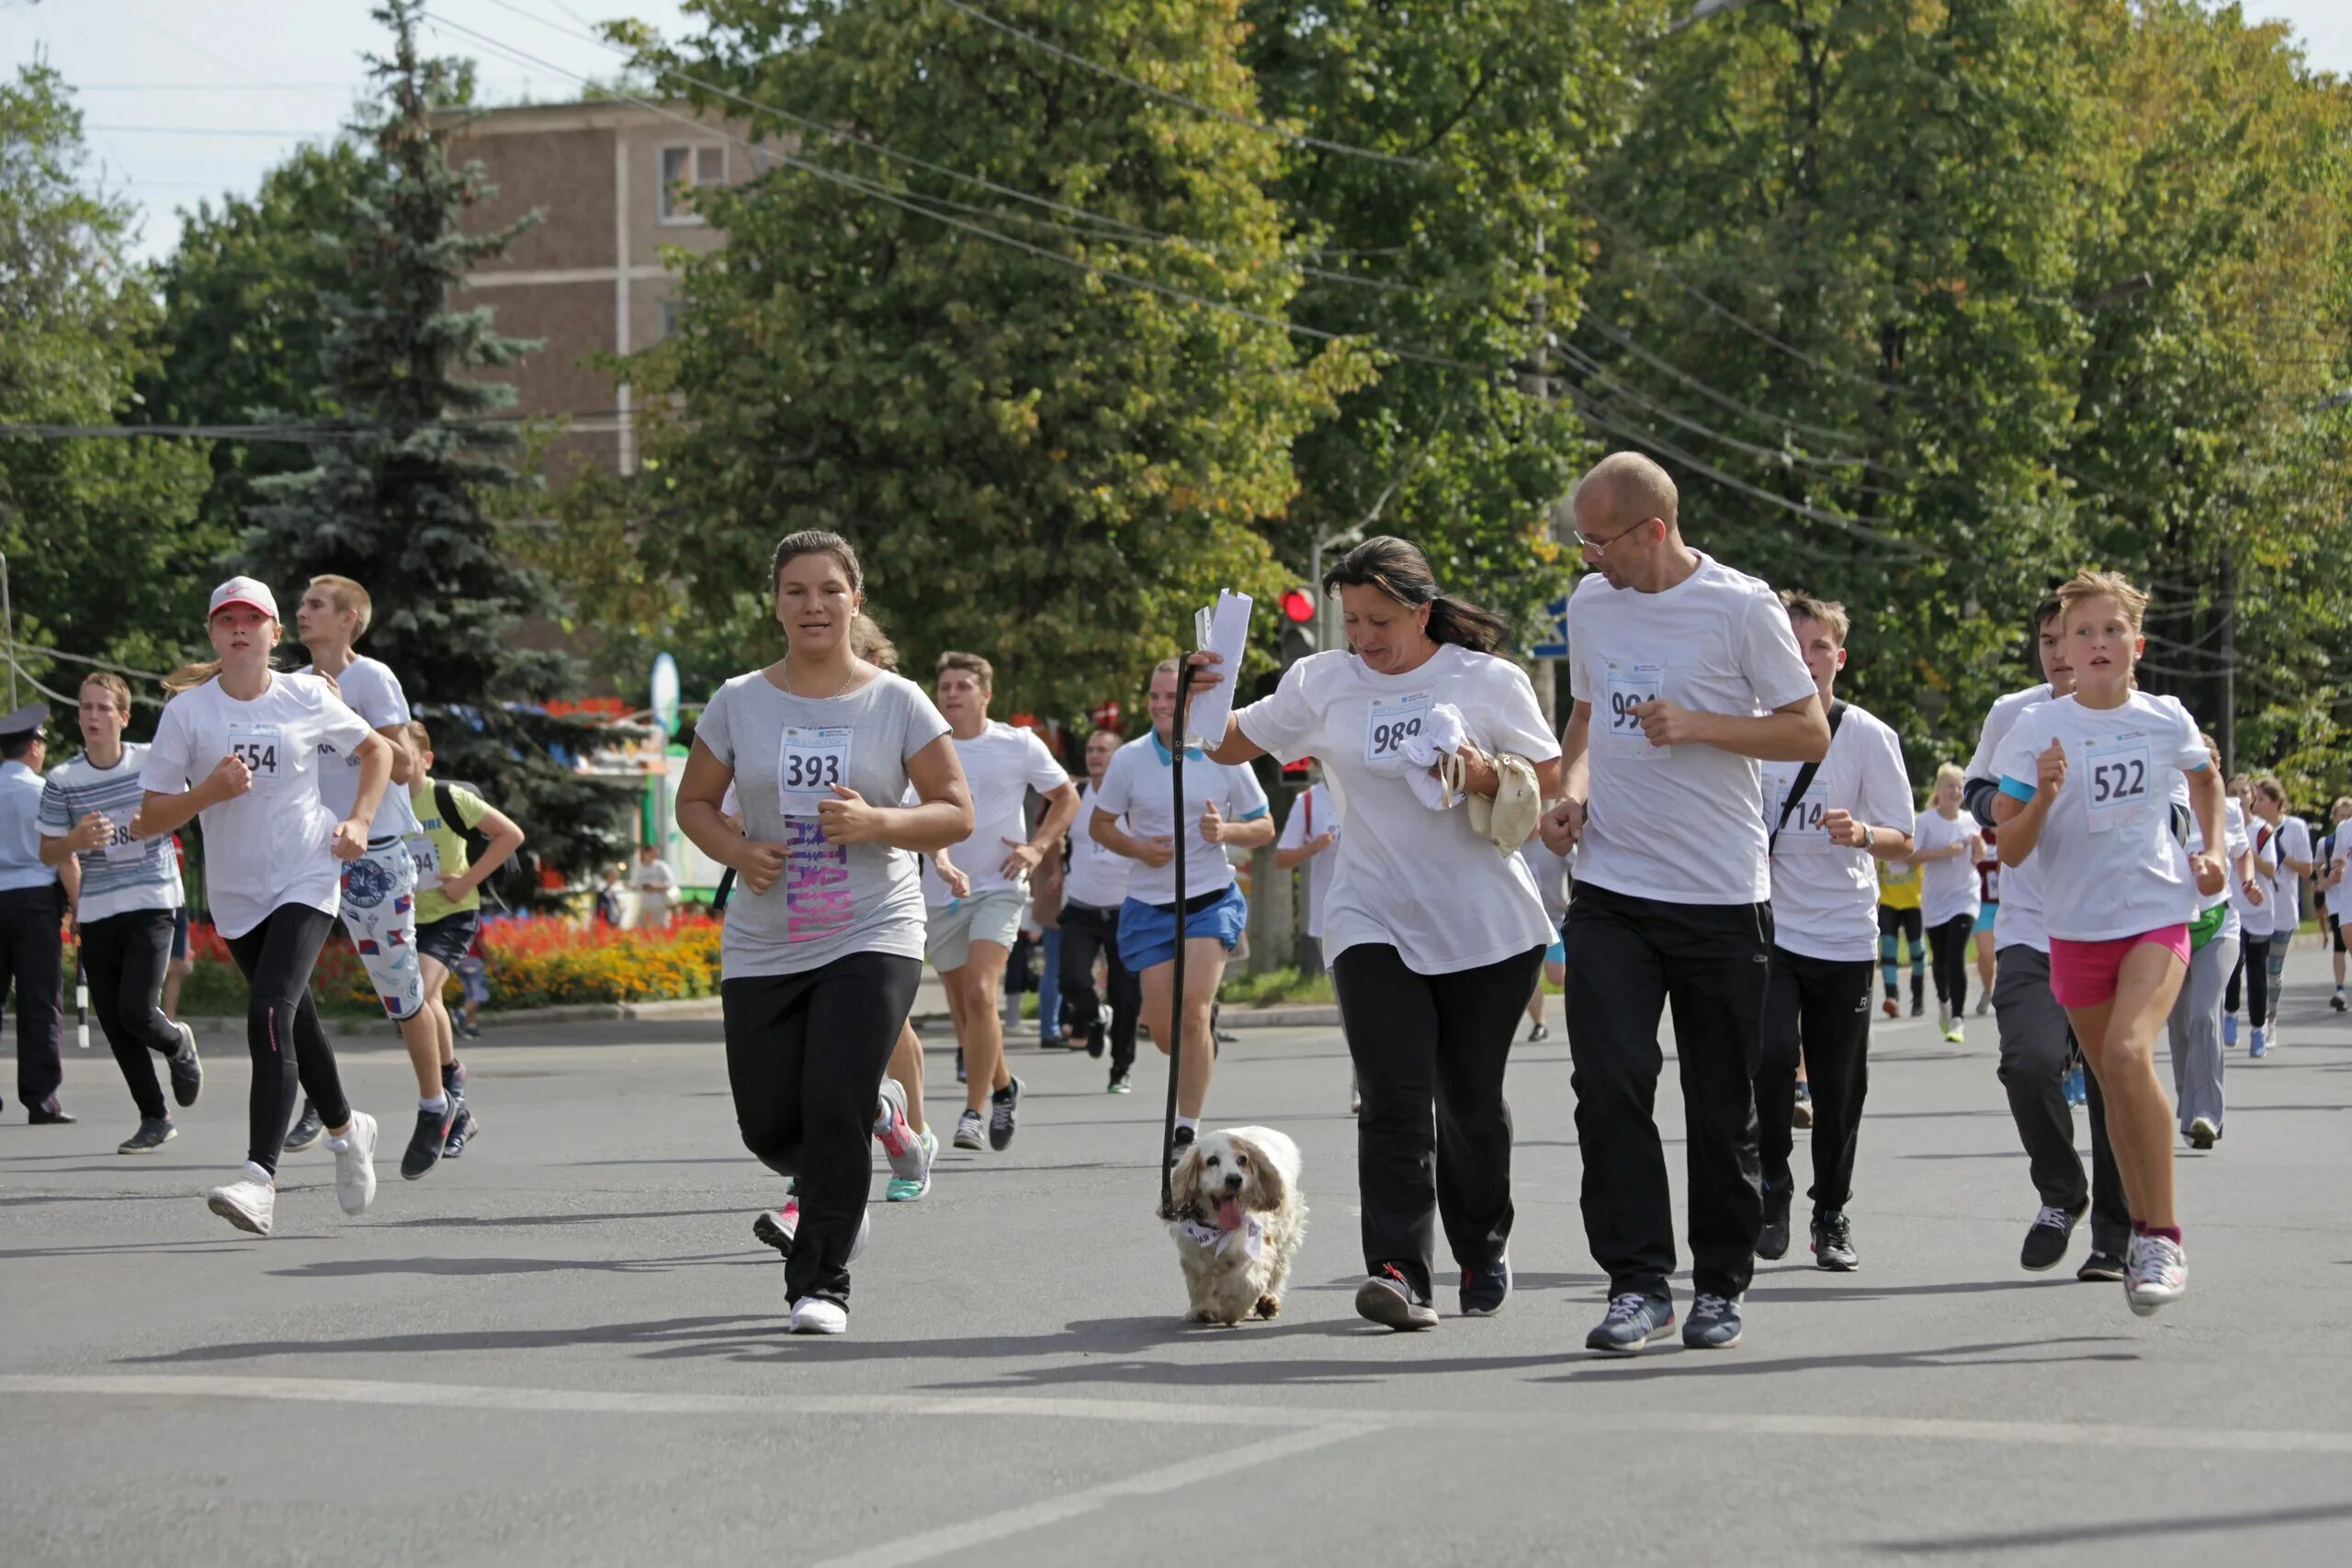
1985, 1005
2229, 1031
1890, 1007
819, 1314
1634, 1320
432, 1128
187, 1068
2046, 1238
1833, 1243
959, 1064
1097, 1038
905, 1190
1943, 1019
2335, 1003
1802, 1115
2202, 1133
470, 1028
1953, 1034
2258, 1045
2077, 1092
355, 1164
306, 1132
908, 1162
1918, 1007
1483, 1290
1540, 1032
1713, 1323
1772, 1241
154, 1132
971, 1131
1119, 1085
1004, 1109
249, 1202
1385, 1299
2100, 1268
462, 1128
2156, 1273
1181, 1140
776, 1227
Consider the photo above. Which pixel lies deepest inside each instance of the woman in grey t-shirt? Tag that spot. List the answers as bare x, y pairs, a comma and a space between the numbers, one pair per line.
823, 942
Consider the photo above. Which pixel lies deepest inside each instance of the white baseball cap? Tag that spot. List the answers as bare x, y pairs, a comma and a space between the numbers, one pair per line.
244, 591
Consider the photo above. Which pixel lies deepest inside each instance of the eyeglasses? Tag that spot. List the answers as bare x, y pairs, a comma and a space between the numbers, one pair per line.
1593, 547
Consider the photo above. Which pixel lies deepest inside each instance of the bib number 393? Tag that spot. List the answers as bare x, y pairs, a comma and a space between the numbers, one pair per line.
1631, 686
808, 767
1391, 722
2115, 787
261, 747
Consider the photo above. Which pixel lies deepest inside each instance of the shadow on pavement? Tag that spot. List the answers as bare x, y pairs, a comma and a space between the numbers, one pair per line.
2162, 1524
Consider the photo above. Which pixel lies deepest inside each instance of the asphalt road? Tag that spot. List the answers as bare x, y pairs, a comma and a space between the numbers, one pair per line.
566, 1349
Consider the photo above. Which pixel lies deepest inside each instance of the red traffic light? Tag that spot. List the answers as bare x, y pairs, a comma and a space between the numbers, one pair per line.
1298, 606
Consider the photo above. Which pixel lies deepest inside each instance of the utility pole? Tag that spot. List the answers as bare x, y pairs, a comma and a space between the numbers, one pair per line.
2225, 590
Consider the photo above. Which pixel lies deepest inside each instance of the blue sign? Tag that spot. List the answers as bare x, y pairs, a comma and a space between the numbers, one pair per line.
1555, 631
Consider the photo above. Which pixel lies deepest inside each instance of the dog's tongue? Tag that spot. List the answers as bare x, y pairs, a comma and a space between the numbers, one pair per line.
1228, 1214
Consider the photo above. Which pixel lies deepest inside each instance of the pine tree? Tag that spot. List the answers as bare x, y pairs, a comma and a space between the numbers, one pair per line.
413, 460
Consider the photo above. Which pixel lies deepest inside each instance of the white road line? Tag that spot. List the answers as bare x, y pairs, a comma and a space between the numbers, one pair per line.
952, 1539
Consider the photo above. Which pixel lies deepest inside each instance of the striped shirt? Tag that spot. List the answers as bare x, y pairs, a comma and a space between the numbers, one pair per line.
128, 873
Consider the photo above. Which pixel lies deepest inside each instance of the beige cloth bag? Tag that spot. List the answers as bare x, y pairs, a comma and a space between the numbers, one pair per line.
1507, 820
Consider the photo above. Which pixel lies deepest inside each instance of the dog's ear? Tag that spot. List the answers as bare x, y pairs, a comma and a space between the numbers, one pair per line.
1184, 1181
1268, 1186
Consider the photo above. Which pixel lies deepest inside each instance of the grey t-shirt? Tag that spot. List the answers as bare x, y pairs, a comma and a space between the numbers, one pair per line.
833, 900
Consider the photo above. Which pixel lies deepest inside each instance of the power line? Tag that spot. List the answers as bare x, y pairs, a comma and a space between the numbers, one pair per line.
196, 131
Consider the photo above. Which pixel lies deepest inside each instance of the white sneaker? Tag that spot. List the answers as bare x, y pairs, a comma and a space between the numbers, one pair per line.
1943, 1019
2156, 1273
250, 1202
355, 1164
815, 1315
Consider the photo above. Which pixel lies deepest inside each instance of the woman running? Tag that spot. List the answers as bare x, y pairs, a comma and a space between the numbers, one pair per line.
1946, 855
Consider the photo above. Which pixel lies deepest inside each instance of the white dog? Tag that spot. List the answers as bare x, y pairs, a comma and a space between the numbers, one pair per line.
1238, 1219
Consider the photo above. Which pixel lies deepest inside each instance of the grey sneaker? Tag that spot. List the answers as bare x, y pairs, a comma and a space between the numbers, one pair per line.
153, 1135
306, 1132
1714, 1324
1384, 1298
1833, 1243
971, 1131
1634, 1320
1005, 1109
188, 1069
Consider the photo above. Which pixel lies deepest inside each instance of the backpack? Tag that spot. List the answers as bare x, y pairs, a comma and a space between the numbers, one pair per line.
477, 842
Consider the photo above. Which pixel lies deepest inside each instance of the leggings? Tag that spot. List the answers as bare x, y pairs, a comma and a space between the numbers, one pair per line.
282, 1031
2254, 967
124, 957
1893, 923
2274, 966
804, 1057
1949, 944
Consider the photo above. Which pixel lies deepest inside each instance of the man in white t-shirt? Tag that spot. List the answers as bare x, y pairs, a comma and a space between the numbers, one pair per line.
380, 887
1309, 834
970, 937
1828, 826
655, 883
1685, 676
1093, 888
2290, 851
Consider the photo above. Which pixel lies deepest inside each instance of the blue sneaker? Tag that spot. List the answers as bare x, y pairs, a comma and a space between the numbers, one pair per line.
1634, 1320
2259, 1047
2077, 1094
1714, 1323
2230, 1031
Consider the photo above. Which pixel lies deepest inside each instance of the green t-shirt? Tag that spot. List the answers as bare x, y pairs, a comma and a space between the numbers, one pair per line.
442, 849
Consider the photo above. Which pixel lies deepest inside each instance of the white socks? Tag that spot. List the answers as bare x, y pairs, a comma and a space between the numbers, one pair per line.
438, 1104
1190, 1124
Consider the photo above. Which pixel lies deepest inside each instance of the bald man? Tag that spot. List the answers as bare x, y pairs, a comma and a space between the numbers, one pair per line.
1695, 679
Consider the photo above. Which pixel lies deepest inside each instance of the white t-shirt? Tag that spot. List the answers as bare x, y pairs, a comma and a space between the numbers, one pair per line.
2110, 866
1677, 823
1550, 874
2235, 843
2255, 919
273, 844
1948, 889
370, 689
654, 877
1406, 876
1097, 879
1312, 817
1002, 765
1824, 895
1136, 788
2021, 922
2293, 842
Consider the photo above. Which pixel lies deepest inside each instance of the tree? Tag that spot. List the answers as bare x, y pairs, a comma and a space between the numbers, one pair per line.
104, 555
1050, 430
409, 460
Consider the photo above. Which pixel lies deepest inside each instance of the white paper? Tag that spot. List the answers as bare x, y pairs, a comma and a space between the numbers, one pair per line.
1222, 629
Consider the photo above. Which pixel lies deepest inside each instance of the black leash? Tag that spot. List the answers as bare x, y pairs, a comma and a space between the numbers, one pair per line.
1176, 1003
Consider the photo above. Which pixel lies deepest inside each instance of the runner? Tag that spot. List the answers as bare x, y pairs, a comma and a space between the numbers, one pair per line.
2339, 853
1988, 910
2194, 1031
449, 905
824, 940
2088, 782
1094, 891
129, 900
36, 901
1309, 835
1946, 855
2039, 1060
1899, 921
1432, 933
1696, 678
2256, 902
243, 748
380, 887
971, 935
1225, 808
1825, 823
2289, 854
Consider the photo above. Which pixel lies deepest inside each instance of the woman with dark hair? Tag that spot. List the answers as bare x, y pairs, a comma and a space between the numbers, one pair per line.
1432, 934
823, 943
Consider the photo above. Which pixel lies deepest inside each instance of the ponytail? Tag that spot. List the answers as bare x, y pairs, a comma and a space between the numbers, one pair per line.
188, 677
1460, 622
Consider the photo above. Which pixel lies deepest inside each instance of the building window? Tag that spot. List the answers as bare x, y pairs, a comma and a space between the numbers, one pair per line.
672, 312
684, 168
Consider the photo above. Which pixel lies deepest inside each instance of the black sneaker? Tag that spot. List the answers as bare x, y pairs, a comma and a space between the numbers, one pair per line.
154, 1132
1119, 1084
1918, 1007
1634, 1320
424, 1143
306, 1132
1179, 1143
187, 1071
1772, 1241
1484, 1290
1833, 1243
462, 1128
1539, 1032
2103, 1268
1713, 1323
1096, 1039
470, 1028
2045, 1241
1004, 1109
1384, 1298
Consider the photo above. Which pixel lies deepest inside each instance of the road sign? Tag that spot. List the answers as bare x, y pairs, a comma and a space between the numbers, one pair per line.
1555, 631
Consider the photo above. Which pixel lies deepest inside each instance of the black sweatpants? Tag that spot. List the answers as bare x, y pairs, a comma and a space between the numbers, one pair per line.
32, 955
1629, 959
1821, 1007
1086, 930
1417, 1040
282, 1031
2036, 1043
1947, 950
124, 957
2254, 965
806, 1055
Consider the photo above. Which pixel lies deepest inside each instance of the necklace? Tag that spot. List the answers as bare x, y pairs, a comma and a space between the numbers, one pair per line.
837, 690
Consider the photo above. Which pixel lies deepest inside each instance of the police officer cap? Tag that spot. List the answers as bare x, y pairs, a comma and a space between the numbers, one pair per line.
25, 720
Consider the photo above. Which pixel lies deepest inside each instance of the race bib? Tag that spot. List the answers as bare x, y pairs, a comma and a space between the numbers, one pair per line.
425, 855
122, 847
1391, 722
2115, 782
808, 764
261, 747
1631, 686
1800, 828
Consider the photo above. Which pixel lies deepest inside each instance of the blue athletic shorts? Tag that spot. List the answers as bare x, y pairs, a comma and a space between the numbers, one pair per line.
1148, 932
